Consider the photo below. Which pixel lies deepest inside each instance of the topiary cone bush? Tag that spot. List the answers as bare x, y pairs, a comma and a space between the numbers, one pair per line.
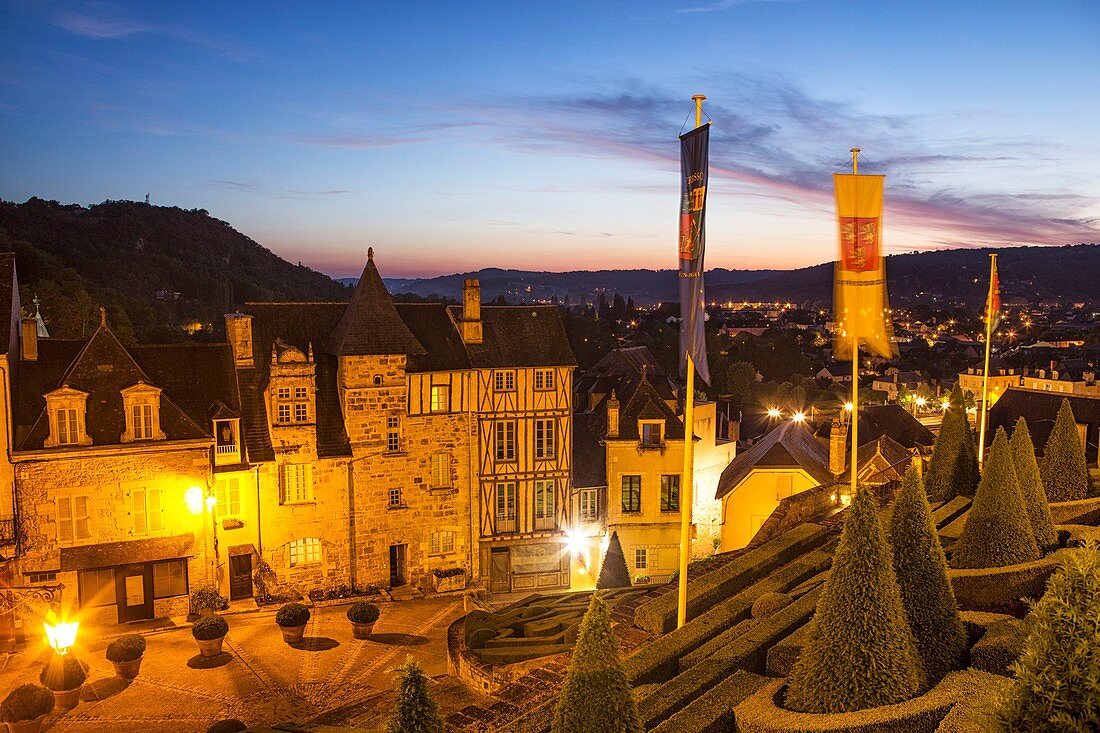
1063, 470
613, 571
861, 653
414, 710
1031, 486
953, 470
63, 673
26, 702
596, 697
292, 614
1058, 673
926, 594
997, 530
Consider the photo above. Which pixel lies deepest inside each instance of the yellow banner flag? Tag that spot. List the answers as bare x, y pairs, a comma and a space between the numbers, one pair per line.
859, 293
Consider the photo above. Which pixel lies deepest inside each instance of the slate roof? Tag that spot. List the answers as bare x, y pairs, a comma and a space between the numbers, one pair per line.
110, 554
640, 386
789, 445
589, 454
892, 420
370, 324
893, 458
519, 336
1040, 410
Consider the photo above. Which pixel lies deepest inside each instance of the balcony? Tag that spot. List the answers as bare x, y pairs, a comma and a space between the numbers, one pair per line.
544, 523
227, 454
7, 531
505, 526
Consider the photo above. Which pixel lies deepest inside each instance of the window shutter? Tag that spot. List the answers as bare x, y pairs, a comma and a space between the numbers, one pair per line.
153, 510
137, 510
64, 519
80, 514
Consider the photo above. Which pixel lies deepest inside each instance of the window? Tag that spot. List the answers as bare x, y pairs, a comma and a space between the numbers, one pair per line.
544, 379
145, 510
504, 380
170, 578
544, 504
506, 506
393, 433
441, 398
441, 470
641, 558
283, 393
49, 577
292, 405
141, 421
283, 415
442, 542
394, 498
505, 440
72, 519
301, 412
66, 409
301, 393
651, 433
141, 407
97, 587
670, 493
632, 493
68, 429
544, 438
228, 492
305, 552
589, 505
296, 482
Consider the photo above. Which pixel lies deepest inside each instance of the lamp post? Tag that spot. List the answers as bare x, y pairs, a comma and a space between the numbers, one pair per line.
199, 503
61, 636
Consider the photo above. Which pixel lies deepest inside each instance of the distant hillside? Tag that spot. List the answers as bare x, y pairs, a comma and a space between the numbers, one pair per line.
153, 267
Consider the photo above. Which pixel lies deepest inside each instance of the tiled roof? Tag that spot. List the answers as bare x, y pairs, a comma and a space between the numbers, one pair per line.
370, 324
642, 389
790, 445
1040, 410
433, 328
893, 420
520, 336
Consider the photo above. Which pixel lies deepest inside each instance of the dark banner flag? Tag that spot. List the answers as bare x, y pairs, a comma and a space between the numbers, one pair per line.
693, 207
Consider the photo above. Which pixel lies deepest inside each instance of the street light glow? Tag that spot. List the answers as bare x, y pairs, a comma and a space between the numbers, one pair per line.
921, 402
849, 406
774, 412
799, 416
193, 498
61, 636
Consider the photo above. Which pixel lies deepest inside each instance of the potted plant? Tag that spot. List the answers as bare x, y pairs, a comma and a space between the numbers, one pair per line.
209, 633
362, 616
65, 675
449, 579
25, 707
125, 653
205, 601
292, 619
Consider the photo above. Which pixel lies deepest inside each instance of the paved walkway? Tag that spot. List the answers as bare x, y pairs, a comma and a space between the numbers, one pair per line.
330, 677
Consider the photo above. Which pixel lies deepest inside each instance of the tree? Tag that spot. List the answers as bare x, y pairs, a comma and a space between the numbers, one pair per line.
613, 572
1058, 673
741, 381
1031, 485
414, 711
953, 470
921, 569
1063, 470
997, 530
861, 652
596, 697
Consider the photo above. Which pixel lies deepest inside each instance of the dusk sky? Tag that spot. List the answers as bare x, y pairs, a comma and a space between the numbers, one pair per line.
458, 135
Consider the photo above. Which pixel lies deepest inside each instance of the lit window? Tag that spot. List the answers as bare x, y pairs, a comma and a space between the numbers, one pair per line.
505, 440
589, 505
97, 587
544, 438
670, 493
145, 510
544, 500
395, 498
296, 482
68, 431
641, 558
504, 380
441, 398
228, 491
632, 493
170, 578
305, 552
441, 470
442, 542
393, 433
72, 519
544, 379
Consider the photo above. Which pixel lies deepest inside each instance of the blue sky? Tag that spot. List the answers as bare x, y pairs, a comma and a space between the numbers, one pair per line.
453, 136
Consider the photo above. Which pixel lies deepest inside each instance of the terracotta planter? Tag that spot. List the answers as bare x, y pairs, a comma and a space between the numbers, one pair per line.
293, 634
362, 631
210, 647
67, 699
26, 726
128, 670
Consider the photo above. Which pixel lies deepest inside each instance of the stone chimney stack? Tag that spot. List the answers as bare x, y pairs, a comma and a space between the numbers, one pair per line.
28, 339
838, 440
470, 323
613, 416
238, 330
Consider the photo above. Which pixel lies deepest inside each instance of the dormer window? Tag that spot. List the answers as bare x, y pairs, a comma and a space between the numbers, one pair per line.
141, 403
227, 448
652, 433
66, 410
292, 405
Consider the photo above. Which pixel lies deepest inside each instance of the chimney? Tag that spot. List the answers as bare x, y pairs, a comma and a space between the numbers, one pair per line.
613, 416
28, 339
470, 323
238, 331
838, 439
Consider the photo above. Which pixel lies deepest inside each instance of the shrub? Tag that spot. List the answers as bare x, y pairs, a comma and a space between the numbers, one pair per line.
1064, 472
26, 702
126, 648
449, 572
613, 571
363, 613
214, 627
1058, 674
208, 599
414, 710
596, 697
861, 652
921, 570
64, 672
292, 614
997, 530
953, 470
1031, 486
769, 603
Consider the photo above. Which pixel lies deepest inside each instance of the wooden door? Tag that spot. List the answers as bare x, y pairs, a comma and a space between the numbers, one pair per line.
134, 592
397, 565
500, 580
240, 576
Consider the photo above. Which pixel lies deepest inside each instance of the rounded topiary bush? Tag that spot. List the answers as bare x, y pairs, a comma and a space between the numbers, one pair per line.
363, 613
64, 672
26, 702
613, 571
769, 603
860, 651
292, 614
208, 599
1058, 674
214, 627
997, 530
126, 648
1064, 472
1031, 486
921, 570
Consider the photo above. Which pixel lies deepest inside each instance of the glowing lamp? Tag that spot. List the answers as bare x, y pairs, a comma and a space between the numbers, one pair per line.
945, 404
921, 401
193, 498
574, 542
61, 636
849, 406
774, 412
799, 417
210, 502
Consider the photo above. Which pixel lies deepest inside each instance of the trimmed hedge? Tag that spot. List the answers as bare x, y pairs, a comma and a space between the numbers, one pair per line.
999, 647
658, 615
1031, 486
26, 702
949, 511
782, 656
414, 710
712, 712
126, 648
63, 672
992, 589
1083, 511
1064, 472
769, 603
700, 653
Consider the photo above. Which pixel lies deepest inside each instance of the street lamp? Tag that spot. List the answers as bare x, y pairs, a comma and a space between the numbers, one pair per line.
61, 636
774, 412
799, 417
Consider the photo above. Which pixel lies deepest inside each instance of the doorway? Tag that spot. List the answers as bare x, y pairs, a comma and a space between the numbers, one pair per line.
397, 565
134, 592
500, 580
240, 576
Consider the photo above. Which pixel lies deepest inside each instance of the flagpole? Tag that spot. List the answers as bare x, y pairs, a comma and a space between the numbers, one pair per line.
853, 323
988, 348
686, 493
